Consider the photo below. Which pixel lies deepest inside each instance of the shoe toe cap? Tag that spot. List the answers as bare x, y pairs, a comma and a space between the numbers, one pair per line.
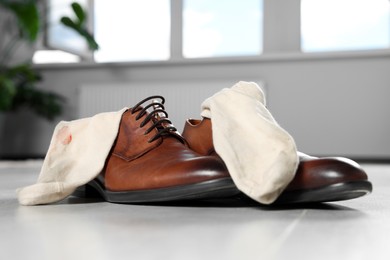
321, 172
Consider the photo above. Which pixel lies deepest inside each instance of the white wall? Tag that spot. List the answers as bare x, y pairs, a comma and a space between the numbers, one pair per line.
332, 106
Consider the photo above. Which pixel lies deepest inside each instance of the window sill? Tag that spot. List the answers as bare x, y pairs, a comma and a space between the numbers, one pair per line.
263, 58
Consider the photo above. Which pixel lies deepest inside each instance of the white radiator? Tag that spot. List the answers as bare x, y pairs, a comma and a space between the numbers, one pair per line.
182, 100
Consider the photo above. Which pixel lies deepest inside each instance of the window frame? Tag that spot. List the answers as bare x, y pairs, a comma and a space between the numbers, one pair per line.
281, 40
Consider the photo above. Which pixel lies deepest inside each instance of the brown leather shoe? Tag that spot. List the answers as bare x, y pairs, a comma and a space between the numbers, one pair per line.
316, 179
151, 162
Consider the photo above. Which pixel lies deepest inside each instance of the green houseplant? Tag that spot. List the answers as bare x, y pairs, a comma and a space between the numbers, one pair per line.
17, 81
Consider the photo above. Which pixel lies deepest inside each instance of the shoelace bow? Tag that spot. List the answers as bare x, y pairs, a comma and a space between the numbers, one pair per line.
158, 116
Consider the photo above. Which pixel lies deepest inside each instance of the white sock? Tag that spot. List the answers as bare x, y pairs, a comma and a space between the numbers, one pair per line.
76, 155
260, 155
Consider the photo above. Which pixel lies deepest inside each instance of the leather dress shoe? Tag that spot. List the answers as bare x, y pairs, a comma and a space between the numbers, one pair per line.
150, 162
316, 179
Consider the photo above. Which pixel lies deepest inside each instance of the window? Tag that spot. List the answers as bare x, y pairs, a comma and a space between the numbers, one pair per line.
333, 25
139, 30
222, 28
132, 30
146, 30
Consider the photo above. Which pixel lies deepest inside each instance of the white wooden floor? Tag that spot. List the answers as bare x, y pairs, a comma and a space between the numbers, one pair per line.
93, 229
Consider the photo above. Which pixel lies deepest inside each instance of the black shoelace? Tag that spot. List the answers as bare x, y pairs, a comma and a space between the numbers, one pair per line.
158, 116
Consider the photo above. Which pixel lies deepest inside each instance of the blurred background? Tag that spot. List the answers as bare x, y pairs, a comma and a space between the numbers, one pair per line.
323, 64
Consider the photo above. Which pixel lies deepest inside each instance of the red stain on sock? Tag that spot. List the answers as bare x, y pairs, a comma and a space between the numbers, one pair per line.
64, 135
67, 140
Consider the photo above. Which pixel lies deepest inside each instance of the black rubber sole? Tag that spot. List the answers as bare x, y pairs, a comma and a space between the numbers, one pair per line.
225, 188
335, 192
212, 189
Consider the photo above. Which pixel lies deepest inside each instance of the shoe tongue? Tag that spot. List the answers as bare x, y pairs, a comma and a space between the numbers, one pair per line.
159, 115
164, 124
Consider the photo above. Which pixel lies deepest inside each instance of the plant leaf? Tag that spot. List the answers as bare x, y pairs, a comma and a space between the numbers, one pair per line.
79, 12
69, 23
23, 71
92, 44
44, 103
28, 17
7, 93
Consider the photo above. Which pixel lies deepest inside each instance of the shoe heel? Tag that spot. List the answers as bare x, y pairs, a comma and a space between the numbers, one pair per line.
86, 191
